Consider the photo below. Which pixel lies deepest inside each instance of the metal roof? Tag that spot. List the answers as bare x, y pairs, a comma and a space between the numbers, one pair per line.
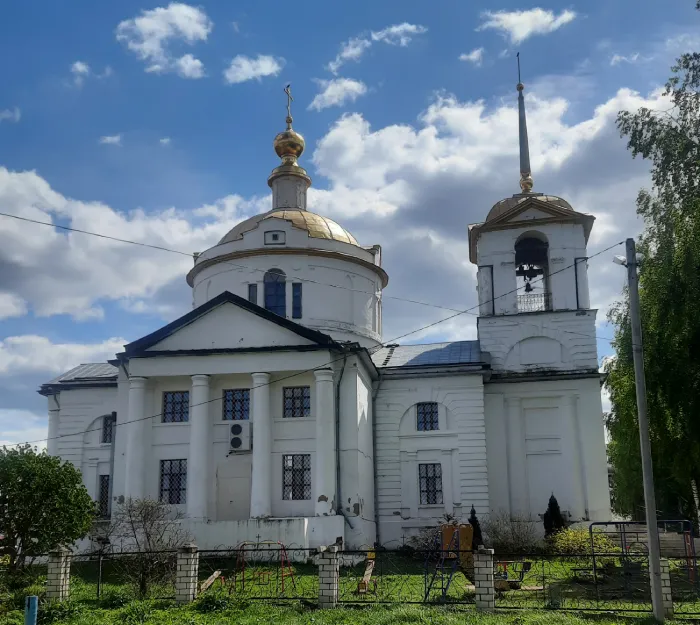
89, 371
430, 355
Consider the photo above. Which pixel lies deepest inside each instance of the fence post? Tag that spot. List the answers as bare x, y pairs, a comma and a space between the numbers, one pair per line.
666, 588
483, 580
30, 610
58, 574
187, 573
328, 573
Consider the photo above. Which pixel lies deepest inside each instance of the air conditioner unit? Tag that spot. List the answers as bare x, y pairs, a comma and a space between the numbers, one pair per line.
240, 438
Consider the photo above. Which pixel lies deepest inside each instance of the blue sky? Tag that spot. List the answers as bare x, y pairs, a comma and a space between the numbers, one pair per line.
154, 122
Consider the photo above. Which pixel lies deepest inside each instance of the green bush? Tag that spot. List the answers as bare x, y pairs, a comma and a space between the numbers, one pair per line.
213, 602
571, 541
115, 598
136, 613
57, 611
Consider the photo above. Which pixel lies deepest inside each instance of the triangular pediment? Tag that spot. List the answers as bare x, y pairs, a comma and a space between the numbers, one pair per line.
227, 322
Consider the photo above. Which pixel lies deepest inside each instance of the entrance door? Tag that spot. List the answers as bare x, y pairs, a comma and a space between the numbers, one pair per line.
233, 488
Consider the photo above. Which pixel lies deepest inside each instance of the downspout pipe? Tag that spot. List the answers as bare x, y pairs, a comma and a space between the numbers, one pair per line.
339, 498
374, 457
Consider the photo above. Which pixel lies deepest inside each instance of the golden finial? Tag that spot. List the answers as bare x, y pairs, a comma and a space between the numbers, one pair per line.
289, 145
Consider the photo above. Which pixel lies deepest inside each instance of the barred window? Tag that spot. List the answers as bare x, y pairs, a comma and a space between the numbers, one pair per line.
296, 478
296, 300
430, 483
253, 293
108, 427
275, 292
103, 496
427, 416
297, 402
173, 481
176, 406
237, 404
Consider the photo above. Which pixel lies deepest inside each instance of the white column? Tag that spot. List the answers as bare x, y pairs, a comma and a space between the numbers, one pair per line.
577, 506
447, 482
584, 300
135, 425
198, 459
52, 442
517, 471
325, 443
261, 486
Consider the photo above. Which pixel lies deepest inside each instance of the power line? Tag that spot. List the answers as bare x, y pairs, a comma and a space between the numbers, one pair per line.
371, 351
309, 280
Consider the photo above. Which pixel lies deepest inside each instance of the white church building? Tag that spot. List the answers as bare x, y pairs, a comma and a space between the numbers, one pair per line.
273, 411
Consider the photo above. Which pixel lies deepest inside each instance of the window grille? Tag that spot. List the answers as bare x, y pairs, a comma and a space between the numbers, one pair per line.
427, 416
103, 496
296, 478
297, 402
108, 427
237, 404
296, 300
430, 483
275, 292
176, 406
173, 481
253, 293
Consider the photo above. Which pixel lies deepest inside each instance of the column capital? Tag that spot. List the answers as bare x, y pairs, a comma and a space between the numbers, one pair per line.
199, 379
323, 375
260, 378
137, 382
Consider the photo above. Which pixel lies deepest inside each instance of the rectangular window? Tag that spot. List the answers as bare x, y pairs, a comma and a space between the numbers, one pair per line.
253, 293
103, 496
173, 481
237, 404
108, 427
176, 406
296, 300
296, 477
297, 402
427, 416
430, 483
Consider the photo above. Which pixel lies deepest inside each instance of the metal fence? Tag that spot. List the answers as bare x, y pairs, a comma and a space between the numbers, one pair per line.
405, 576
685, 586
260, 571
609, 582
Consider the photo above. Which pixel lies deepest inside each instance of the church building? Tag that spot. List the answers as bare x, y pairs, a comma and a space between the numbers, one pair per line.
274, 411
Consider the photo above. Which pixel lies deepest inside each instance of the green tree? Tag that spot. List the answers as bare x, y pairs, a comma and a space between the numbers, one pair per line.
43, 504
669, 282
553, 519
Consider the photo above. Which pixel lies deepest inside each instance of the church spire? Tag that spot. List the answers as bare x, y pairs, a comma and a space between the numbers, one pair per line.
288, 181
526, 181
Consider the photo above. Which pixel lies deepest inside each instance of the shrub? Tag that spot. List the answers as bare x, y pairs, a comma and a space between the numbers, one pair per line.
115, 598
136, 613
553, 519
474, 522
57, 611
213, 602
577, 541
429, 538
511, 534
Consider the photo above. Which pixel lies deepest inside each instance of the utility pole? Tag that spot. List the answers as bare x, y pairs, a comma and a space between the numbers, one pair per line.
644, 444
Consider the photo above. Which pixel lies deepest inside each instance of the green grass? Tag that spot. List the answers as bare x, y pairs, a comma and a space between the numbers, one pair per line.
154, 613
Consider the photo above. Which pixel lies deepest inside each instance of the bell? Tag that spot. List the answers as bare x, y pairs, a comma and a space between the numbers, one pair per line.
528, 287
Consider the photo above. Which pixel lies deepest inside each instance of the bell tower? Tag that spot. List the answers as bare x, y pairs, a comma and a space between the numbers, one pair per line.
534, 307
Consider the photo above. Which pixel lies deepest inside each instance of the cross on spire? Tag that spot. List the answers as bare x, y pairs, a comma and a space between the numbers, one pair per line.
290, 99
525, 173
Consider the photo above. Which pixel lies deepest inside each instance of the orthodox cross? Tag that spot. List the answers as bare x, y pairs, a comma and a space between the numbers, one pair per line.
290, 99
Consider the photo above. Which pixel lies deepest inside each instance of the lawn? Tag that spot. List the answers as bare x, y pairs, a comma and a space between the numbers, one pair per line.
258, 613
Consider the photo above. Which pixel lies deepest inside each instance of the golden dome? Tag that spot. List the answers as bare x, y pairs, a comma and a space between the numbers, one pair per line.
511, 202
289, 144
316, 226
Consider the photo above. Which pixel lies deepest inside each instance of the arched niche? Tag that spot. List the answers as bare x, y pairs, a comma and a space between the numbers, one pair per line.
409, 421
538, 351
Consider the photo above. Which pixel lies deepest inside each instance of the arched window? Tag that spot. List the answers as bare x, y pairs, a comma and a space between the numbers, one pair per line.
532, 273
276, 292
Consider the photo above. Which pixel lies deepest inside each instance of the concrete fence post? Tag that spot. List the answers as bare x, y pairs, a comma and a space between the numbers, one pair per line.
483, 580
187, 573
58, 574
328, 573
666, 588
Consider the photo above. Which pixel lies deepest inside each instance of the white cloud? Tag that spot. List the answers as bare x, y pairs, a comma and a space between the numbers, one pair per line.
616, 59
476, 56
353, 49
111, 140
399, 34
244, 68
11, 305
31, 353
337, 92
80, 71
152, 34
236, 27
520, 25
189, 67
165, 141
19, 426
10, 115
